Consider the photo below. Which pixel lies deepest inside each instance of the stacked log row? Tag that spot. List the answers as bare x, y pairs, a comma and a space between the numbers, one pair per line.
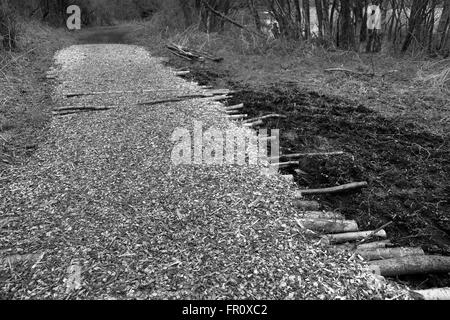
342, 234
383, 258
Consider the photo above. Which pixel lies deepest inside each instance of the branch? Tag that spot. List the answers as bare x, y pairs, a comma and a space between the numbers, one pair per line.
350, 71
221, 15
338, 189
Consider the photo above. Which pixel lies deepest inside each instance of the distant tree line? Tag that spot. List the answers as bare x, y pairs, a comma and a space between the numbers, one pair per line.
419, 24
423, 24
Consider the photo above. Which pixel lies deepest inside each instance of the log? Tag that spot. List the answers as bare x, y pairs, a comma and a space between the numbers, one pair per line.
333, 190
253, 124
365, 246
431, 294
389, 253
322, 215
235, 107
374, 245
237, 116
266, 117
316, 154
353, 236
307, 205
329, 226
411, 265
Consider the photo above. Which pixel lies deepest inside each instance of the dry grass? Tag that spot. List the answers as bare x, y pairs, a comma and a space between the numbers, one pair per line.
24, 95
436, 75
408, 86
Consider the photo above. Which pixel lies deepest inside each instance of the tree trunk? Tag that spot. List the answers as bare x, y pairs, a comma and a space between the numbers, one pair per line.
326, 19
298, 11
443, 27
319, 11
254, 11
417, 15
358, 13
306, 10
346, 33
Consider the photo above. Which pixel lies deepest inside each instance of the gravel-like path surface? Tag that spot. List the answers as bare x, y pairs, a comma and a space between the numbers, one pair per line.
100, 211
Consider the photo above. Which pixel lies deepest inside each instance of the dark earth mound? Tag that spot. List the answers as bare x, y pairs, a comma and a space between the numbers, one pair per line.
407, 168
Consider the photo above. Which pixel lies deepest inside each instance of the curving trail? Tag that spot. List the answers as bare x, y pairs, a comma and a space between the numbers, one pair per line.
100, 211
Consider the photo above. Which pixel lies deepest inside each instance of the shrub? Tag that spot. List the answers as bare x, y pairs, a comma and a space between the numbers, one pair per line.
8, 27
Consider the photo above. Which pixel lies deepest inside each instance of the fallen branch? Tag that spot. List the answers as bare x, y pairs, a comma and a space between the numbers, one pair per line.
332, 190
224, 17
237, 116
181, 73
191, 54
253, 124
316, 154
349, 71
235, 107
374, 232
213, 97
